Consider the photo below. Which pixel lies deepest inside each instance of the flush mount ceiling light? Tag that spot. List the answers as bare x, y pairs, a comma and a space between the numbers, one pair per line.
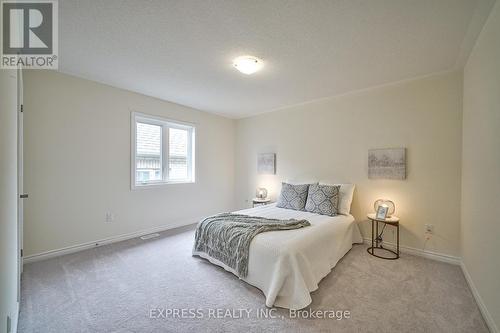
248, 64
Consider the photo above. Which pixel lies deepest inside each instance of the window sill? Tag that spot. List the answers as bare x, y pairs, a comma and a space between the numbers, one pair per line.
160, 184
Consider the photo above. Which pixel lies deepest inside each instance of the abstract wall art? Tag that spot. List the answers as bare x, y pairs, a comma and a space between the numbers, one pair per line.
266, 164
387, 163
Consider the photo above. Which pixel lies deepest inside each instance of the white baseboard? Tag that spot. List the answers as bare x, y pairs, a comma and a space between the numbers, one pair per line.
84, 246
422, 253
482, 307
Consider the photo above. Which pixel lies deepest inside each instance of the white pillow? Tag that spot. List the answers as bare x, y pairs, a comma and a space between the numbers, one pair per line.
346, 193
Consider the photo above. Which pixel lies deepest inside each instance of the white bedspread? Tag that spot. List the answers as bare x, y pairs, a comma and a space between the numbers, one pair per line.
288, 265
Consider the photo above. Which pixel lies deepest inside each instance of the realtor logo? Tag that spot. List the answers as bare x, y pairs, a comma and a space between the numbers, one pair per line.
29, 34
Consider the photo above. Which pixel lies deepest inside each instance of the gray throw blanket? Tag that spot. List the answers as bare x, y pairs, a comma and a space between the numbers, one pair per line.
226, 237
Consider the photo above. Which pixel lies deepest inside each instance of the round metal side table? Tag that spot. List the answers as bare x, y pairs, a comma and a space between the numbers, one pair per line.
376, 242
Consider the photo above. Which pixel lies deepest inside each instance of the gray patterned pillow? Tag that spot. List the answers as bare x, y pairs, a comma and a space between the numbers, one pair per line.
323, 199
293, 196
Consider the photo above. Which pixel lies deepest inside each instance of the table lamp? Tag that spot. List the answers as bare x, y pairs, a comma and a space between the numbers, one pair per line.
385, 203
261, 193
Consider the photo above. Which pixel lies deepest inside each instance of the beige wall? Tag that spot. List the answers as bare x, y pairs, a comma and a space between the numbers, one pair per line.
8, 198
330, 138
481, 166
77, 164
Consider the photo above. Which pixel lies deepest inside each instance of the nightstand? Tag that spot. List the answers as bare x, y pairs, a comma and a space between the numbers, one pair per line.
376, 238
260, 202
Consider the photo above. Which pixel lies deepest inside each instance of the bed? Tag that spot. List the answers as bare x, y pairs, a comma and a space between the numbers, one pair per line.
287, 265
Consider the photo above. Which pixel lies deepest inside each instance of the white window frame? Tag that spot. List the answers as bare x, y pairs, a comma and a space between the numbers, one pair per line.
165, 124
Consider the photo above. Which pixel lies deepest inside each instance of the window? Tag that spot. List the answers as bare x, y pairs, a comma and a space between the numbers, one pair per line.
162, 151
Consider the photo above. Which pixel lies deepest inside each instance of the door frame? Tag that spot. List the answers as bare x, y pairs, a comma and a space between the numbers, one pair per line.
20, 178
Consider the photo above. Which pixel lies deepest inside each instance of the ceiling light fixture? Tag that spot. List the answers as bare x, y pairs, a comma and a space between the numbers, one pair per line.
248, 64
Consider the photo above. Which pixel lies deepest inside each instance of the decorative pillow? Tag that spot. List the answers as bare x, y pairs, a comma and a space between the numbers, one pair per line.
323, 199
293, 196
346, 193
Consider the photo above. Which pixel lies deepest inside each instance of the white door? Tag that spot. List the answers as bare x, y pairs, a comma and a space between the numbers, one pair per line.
20, 185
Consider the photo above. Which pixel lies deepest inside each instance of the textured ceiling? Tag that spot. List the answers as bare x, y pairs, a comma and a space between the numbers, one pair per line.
181, 51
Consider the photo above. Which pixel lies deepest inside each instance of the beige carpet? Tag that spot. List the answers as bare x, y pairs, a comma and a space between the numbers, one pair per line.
114, 288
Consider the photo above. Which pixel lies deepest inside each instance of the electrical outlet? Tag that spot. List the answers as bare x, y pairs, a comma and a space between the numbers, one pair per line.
109, 217
429, 228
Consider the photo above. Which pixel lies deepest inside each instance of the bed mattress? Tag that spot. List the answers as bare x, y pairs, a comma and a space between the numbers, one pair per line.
287, 265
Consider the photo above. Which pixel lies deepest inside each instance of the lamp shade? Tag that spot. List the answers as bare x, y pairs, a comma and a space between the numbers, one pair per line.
384, 202
261, 193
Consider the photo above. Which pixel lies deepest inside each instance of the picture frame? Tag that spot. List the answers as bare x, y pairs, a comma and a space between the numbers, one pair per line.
387, 163
382, 212
266, 164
